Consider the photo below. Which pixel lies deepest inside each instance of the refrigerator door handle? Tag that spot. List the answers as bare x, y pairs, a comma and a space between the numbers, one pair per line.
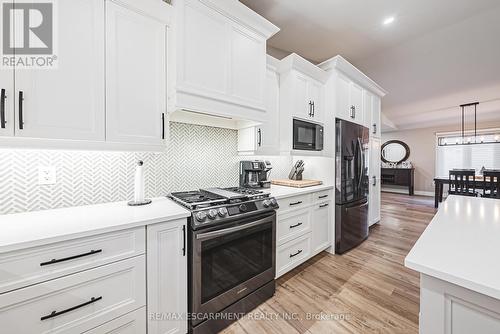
360, 163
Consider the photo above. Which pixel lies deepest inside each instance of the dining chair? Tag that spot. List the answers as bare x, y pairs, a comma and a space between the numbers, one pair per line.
462, 182
491, 181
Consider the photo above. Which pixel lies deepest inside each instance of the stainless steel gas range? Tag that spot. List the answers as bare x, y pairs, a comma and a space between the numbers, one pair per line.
231, 252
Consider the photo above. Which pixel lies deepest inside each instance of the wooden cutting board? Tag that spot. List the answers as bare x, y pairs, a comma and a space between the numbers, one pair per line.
296, 184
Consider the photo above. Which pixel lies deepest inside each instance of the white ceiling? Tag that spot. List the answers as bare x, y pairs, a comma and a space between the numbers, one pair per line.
436, 55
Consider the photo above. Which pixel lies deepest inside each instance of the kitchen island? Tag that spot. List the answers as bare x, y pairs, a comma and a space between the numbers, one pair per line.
458, 260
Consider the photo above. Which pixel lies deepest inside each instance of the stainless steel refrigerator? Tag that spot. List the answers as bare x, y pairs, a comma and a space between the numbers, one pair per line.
351, 185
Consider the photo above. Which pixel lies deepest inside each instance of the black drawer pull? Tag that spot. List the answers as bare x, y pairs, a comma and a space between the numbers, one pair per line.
21, 116
53, 261
296, 225
324, 196
296, 203
55, 313
162, 126
298, 252
2, 108
323, 205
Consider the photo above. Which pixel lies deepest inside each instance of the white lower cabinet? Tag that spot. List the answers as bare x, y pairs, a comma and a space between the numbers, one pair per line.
130, 323
167, 277
322, 226
78, 302
304, 228
293, 253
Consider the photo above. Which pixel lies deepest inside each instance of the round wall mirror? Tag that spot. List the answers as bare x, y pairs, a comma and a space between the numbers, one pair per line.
395, 151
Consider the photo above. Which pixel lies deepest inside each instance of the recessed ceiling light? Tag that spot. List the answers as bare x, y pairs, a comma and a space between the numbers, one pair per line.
388, 20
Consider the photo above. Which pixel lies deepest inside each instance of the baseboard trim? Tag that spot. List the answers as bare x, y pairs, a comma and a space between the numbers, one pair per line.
405, 191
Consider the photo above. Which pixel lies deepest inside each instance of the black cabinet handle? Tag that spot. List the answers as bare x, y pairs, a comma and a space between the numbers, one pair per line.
2, 108
21, 118
374, 180
313, 109
310, 108
324, 196
184, 240
296, 225
374, 128
53, 261
56, 313
298, 252
323, 205
162, 125
295, 203
259, 137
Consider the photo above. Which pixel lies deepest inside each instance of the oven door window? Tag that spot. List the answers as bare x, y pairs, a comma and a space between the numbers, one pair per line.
232, 259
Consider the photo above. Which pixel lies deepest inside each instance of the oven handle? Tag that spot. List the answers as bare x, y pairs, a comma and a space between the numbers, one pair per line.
213, 234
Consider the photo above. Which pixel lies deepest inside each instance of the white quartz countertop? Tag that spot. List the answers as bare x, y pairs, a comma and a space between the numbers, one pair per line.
30, 229
461, 245
280, 192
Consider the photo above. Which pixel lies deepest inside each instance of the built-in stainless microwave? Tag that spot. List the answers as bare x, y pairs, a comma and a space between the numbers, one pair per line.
307, 135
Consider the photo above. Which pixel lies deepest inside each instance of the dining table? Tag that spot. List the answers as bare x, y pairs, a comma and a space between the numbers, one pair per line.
440, 181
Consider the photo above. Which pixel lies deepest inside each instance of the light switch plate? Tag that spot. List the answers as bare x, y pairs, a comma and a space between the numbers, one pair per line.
46, 175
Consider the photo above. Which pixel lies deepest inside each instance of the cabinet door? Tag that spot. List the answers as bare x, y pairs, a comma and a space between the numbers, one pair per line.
167, 276
367, 110
135, 76
67, 102
248, 63
315, 95
356, 93
268, 132
302, 102
203, 50
375, 181
342, 101
375, 118
321, 226
7, 102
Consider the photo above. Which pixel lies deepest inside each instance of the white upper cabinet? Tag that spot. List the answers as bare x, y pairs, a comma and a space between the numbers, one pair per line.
302, 90
136, 75
220, 59
264, 137
302, 96
66, 102
353, 92
376, 123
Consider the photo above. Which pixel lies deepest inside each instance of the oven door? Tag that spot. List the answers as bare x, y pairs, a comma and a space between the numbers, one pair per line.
232, 262
307, 136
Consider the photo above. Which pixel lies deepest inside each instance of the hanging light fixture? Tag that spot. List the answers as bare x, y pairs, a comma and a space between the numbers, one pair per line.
469, 139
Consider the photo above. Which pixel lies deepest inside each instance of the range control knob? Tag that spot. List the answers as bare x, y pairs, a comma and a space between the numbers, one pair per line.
266, 203
222, 212
243, 208
201, 216
212, 214
273, 202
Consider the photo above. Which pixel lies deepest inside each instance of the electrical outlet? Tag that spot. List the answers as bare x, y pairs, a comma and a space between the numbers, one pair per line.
46, 175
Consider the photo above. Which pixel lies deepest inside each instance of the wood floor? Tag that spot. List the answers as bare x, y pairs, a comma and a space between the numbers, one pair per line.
367, 290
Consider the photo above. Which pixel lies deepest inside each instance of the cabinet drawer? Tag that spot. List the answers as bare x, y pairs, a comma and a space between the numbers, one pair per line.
292, 253
293, 224
35, 265
131, 323
294, 202
322, 196
78, 302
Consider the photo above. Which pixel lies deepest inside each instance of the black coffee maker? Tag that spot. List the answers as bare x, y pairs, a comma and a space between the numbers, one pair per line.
255, 174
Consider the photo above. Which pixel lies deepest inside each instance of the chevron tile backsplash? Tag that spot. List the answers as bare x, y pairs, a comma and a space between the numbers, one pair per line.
198, 156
